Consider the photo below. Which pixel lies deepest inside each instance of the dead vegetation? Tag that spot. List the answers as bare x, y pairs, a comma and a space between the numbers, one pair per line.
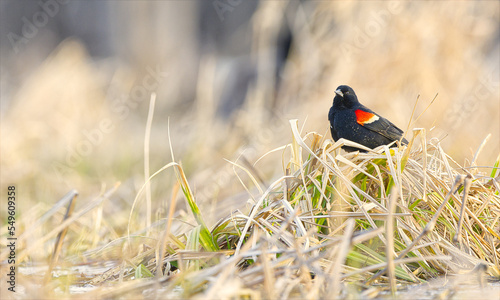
334, 224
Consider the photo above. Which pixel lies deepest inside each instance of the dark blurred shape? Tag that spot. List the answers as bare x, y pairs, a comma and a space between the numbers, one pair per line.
225, 26
23, 21
226, 31
174, 35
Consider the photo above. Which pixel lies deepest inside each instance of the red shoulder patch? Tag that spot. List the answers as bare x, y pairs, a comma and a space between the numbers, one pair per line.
364, 117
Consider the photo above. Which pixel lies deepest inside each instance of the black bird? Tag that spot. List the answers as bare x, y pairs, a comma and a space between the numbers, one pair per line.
352, 121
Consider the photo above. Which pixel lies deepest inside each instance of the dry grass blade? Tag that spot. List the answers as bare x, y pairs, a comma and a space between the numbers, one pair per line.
147, 137
389, 252
64, 200
160, 254
139, 193
60, 239
339, 259
468, 182
67, 222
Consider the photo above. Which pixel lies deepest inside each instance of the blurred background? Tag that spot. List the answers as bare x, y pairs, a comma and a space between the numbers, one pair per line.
77, 76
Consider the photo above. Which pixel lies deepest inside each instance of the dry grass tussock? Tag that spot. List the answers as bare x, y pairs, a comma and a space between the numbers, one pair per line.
334, 224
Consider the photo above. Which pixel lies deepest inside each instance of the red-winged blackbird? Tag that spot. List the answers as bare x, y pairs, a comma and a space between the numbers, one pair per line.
352, 121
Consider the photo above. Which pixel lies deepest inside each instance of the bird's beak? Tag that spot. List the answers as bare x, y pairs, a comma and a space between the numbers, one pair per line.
339, 92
